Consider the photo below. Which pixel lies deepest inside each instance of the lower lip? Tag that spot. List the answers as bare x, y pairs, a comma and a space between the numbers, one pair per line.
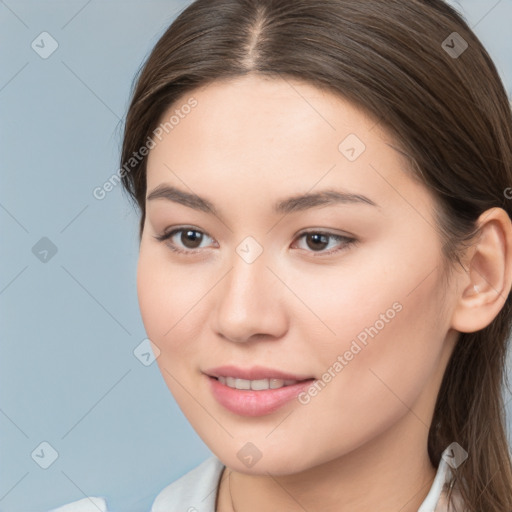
255, 403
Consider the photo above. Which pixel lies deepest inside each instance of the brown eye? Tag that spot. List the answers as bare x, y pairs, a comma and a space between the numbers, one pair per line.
183, 240
190, 237
317, 241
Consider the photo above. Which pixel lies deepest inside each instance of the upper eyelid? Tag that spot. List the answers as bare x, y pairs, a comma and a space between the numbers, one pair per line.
167, 234
306, 231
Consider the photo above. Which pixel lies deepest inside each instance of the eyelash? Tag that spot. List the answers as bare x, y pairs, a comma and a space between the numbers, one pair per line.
347, 241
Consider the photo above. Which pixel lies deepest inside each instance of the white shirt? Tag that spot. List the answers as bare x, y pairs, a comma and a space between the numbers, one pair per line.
196, 491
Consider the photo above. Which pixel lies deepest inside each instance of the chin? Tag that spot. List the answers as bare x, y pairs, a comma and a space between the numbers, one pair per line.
276, 463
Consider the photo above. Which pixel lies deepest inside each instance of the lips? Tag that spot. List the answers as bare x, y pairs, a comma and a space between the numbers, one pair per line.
254, 391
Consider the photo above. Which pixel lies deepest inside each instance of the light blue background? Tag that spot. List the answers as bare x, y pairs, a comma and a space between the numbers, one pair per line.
68, 374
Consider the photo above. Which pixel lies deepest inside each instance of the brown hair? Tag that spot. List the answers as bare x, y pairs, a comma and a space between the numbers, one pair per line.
450, 115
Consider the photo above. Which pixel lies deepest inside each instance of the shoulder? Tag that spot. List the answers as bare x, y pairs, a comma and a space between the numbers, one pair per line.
195, 491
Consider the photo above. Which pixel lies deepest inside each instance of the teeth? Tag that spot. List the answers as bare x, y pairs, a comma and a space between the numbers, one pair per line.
259, 384
256, 385
276, 383
242, 384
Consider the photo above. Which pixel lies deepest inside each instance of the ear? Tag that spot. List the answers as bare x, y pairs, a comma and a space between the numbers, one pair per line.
488, 278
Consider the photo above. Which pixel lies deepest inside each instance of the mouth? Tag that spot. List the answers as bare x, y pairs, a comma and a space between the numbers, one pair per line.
256, 391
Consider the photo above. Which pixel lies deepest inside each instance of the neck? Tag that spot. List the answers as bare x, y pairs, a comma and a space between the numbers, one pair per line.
390, 473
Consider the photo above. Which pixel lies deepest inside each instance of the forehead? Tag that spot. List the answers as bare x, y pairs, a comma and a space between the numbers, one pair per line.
287, 110
255, 134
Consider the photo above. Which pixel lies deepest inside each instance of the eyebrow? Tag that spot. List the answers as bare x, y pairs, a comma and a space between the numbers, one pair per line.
299, 202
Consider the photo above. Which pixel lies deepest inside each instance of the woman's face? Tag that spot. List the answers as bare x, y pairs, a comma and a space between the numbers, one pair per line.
344, 288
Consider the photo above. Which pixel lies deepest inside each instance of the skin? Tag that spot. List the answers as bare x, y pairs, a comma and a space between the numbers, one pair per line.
361, 443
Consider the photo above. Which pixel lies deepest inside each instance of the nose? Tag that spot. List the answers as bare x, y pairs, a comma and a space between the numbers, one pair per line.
250, 302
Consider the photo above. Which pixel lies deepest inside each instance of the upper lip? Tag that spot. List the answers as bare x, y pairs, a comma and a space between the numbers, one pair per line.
253, 373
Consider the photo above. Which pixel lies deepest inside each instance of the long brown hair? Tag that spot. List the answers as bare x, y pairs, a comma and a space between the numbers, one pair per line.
444, 102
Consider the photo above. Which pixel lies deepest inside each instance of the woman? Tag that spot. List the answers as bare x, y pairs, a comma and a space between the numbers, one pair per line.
326, 253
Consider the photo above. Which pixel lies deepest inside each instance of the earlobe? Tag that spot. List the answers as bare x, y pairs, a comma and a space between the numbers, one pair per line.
487, 281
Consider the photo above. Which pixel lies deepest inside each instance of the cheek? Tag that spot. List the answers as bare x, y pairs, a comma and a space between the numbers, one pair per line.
389, 330
169, 302
387, 293
168, 299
